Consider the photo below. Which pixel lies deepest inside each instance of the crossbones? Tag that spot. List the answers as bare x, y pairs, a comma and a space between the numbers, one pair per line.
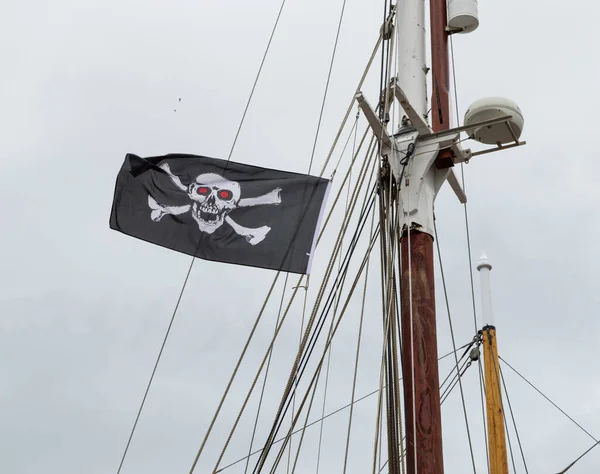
214, 197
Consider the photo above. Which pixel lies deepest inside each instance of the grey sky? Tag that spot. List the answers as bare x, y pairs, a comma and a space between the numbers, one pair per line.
83, 309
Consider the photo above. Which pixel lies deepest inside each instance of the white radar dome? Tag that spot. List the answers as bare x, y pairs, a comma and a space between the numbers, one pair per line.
463, 16
492, 108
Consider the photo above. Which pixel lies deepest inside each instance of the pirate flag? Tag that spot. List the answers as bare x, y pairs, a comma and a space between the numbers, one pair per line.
220, 210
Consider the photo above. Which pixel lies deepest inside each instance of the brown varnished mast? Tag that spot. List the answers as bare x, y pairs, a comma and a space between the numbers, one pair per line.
427, 458
424, 363
440, 70
440, 75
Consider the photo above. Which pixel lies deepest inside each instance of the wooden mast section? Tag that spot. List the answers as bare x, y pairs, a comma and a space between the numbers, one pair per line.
493, 392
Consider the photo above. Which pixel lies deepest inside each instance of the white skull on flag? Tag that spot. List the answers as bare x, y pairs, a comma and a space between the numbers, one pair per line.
213, 198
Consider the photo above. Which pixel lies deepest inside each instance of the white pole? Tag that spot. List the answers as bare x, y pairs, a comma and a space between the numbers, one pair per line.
411, 53
484, 266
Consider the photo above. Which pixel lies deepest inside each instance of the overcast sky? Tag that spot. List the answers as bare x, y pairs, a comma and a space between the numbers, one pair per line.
83, 309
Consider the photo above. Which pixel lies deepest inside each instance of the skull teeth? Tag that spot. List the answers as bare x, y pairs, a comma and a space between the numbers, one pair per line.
209, 208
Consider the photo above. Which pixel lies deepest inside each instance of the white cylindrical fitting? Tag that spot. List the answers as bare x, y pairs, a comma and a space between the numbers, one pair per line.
484, 266
411, 53
463, 15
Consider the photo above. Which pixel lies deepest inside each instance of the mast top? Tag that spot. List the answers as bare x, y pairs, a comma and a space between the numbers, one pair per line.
483, 262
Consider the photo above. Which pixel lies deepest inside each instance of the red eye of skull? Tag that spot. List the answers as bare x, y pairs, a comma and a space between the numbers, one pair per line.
202, 190
225, 194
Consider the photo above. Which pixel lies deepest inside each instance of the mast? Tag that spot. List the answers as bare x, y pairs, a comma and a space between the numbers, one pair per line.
493, 394
416, 161
419, 348
419, 334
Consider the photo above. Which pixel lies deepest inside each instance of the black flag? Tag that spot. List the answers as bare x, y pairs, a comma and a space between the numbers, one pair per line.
219, 210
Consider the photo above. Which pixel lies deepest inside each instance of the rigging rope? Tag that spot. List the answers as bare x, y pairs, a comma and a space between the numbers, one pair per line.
462, 395
337, 37
548, 400
597, 442
164, 342
335, 309
512, 456
308, 345
262, 392
264, 359
579, 458
319, 296
336, 284
256, 79
485, 437
265, 451
513, 420
468, 234
360, 326
318, 420
299, 345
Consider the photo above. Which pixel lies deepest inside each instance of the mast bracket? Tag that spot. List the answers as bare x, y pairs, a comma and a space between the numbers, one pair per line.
418, 179
417, 120
379, 129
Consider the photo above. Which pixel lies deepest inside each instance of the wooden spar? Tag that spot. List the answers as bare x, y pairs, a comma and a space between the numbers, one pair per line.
440, 75
493, 392
424, 457
493, 398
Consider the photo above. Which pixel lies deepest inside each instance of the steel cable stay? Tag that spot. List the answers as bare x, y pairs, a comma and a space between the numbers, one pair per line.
319, 368
510, 448
317, 303
404, 437
328, 364
312, 156
298, 283
468, 238
286, 312
319, 372
549, 400
312, 382
596, 441
333, 54
329, 300
513, 420
318, 420
303, 355
264, 454
453, 385
462, 395
347, 177
356, 361
262, 392
335, 312
305, 288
